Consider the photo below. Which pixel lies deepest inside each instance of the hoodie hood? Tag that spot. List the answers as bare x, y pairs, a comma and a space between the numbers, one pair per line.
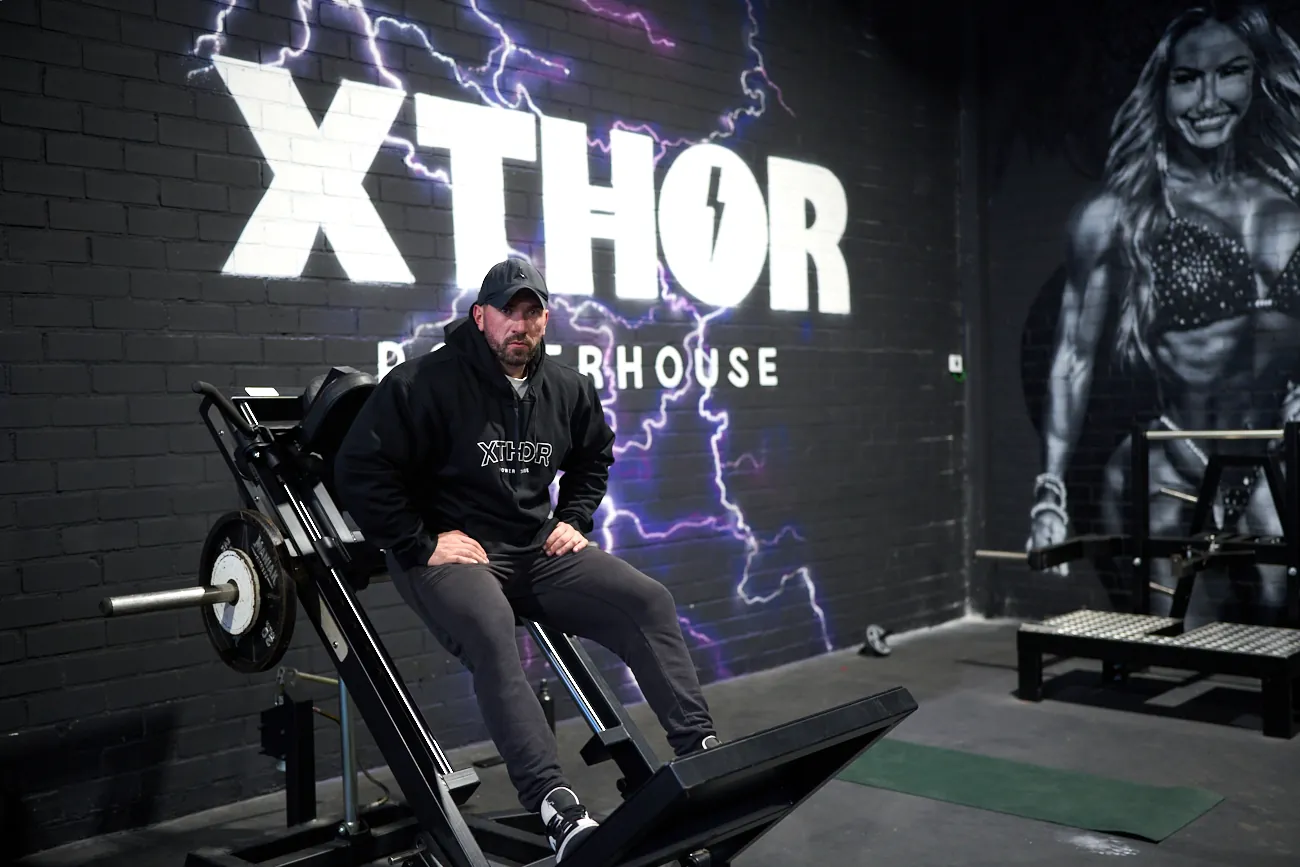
463, 336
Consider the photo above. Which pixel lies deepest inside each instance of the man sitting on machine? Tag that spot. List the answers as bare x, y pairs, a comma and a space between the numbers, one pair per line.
448, 467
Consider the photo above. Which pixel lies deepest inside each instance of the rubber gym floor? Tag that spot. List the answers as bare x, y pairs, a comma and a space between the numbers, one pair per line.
962, 675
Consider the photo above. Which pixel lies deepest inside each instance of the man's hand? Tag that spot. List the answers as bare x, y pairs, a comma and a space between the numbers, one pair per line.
455, 547
564, 539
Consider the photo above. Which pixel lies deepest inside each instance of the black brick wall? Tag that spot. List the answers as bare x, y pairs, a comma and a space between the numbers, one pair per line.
1048, 110
126, 180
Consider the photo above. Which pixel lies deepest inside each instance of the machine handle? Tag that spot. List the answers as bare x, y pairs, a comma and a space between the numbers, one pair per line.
167, 600
226, 405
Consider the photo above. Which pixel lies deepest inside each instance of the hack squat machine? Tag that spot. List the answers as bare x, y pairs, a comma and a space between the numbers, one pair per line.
292, 545
1129, 641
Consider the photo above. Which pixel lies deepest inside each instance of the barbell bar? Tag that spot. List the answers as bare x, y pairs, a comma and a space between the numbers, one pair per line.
185, 597
1267, 434
169, 600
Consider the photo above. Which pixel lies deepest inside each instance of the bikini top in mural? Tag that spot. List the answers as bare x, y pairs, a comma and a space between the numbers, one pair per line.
1203, 276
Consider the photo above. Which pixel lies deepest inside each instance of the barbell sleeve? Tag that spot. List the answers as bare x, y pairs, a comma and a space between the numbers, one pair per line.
167, 600
294, 674
988, 554
1178, 495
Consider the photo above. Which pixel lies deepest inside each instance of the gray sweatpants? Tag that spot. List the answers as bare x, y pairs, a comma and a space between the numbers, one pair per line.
471, 611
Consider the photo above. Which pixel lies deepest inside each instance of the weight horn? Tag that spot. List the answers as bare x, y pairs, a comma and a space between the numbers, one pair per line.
253, 632
167, 600
247, 595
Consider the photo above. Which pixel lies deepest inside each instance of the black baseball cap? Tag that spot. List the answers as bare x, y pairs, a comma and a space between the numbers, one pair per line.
505, 279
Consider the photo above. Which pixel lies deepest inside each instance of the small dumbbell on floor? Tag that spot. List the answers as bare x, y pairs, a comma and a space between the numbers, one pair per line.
876, 643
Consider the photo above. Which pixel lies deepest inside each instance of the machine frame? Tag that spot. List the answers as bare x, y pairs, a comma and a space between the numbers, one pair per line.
700, 810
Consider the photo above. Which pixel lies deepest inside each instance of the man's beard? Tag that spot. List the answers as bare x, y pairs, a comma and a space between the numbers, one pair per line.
516, 354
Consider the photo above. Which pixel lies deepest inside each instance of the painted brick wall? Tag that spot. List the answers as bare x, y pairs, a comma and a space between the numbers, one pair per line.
1058, 75
128, 174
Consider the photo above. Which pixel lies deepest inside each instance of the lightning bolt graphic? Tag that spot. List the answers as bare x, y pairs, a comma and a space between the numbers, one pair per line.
488, 84
635, 18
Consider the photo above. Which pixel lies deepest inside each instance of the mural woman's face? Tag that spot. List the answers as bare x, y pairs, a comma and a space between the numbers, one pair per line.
1211, 80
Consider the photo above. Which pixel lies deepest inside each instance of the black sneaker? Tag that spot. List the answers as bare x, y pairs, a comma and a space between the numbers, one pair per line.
710, 742
566, 820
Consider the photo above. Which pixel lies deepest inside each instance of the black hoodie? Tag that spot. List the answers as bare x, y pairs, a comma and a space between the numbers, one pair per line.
444, 443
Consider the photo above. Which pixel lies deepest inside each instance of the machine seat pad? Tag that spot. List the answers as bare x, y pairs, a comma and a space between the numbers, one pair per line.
332, 402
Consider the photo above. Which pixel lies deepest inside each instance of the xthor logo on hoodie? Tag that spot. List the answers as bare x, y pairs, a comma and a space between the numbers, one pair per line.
509, 451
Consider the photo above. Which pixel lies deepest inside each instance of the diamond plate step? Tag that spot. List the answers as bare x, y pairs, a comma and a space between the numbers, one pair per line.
1273, 641
1112, 625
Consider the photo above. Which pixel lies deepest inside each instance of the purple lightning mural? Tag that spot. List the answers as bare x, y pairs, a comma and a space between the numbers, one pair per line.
493, 84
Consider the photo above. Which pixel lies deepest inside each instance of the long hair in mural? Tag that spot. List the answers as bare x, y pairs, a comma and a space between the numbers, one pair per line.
1179, 297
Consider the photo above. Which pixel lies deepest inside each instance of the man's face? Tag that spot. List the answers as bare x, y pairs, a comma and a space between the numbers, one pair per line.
515, 333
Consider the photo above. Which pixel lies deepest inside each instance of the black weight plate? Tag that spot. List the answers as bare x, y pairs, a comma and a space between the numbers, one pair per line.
261, 646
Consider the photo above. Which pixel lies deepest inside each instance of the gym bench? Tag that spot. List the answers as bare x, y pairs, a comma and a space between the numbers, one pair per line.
291, 545
1129, 641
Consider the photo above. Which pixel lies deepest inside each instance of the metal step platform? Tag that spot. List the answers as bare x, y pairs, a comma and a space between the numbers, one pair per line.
1134, 641
1105, 625
1137, 639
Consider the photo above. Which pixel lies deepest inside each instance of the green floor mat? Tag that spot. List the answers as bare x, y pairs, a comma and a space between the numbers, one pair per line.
1067, 798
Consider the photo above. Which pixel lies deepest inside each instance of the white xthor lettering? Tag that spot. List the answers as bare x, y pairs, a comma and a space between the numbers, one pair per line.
480, 138
507, 450
318, 176
318, 187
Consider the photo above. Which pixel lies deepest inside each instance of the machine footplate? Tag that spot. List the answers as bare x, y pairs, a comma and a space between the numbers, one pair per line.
722, 800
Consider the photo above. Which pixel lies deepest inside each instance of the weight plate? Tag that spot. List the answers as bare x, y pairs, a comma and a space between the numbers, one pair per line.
252, 633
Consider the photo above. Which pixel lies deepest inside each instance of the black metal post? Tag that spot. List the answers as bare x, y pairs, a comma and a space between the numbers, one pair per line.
985, 588
614, 735
289, 736
390, 713
1208, 491
1139, 485
547, 702
1291, 521
300, 764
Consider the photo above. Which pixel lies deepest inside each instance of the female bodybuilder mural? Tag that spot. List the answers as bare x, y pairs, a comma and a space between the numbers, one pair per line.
1185, 262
